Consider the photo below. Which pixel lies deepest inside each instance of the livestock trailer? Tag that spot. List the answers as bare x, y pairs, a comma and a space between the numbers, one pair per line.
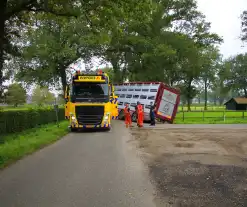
166, 99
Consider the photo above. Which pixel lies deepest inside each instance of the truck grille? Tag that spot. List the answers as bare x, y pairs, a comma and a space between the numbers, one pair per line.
89, 115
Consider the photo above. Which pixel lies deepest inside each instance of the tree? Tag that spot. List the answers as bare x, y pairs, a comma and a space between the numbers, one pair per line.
211, 58
17, 15
42, 95
60, 99
58, 42
237, 70
220, 87
16, 94
244, 26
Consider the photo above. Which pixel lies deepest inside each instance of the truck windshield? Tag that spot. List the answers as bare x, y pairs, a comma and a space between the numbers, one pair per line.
95, 92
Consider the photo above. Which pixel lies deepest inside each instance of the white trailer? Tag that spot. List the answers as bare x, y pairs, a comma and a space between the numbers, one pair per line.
165, 98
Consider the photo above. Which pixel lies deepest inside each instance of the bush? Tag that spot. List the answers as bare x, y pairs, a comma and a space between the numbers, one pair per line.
16, 121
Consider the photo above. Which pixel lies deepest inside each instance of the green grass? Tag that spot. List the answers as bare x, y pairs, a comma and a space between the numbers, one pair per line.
20, 144
211, 117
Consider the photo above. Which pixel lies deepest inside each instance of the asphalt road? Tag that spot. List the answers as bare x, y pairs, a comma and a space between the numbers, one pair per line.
97, 169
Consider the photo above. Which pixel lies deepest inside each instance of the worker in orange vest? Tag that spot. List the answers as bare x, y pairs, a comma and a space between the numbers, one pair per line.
127, 116
140, 114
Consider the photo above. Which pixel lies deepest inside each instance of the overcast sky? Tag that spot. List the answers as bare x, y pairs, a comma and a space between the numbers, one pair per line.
225, 18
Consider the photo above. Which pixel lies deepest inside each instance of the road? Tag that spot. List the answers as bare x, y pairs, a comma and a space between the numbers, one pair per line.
82, 169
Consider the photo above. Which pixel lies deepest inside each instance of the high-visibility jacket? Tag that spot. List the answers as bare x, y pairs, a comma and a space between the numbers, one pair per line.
139, 109
126, 110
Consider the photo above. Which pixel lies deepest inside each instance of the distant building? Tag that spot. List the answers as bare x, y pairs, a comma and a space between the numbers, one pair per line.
236, 104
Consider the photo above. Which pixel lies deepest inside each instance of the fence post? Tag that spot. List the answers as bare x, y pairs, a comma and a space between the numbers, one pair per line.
203, 116
243, 115
224, 116
183, 116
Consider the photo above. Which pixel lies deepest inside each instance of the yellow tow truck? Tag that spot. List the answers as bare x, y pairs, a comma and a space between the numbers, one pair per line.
90, 101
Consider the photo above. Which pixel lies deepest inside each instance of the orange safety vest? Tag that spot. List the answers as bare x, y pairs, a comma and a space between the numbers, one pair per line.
139, 109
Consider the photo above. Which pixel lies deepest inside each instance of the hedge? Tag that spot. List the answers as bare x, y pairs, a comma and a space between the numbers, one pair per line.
16, 121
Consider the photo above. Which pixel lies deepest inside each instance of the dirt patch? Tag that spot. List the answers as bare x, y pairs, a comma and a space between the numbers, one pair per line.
180, 144
196, 167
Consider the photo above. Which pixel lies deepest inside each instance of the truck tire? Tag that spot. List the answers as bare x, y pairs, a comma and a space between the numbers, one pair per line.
72, 129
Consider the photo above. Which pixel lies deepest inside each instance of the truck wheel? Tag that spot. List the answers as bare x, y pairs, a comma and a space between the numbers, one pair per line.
72, 129
134, 117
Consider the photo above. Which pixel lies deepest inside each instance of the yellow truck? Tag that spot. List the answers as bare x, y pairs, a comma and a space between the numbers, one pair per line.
89, 101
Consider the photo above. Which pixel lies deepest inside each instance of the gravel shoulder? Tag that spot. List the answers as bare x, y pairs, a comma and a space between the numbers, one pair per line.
198, 166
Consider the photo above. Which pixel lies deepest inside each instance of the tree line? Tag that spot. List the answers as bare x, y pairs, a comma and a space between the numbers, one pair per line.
158, 40
17, 95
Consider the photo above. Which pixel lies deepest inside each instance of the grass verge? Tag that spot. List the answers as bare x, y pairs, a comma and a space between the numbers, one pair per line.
20, 144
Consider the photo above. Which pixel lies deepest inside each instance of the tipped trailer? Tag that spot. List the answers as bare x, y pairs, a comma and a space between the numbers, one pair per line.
166, 99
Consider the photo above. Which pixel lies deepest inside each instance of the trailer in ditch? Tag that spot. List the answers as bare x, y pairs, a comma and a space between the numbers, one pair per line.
166, 99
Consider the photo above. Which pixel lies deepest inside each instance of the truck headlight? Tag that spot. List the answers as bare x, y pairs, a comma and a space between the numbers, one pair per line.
107, 116
73, 118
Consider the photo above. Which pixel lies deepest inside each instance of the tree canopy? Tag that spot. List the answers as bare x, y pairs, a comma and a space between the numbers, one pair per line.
16, 95
165, 40
42, 95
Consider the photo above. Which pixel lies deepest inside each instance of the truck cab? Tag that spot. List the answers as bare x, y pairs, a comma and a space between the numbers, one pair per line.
88, 101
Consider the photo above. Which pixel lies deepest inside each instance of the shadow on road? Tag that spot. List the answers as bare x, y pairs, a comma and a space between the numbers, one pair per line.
91, 130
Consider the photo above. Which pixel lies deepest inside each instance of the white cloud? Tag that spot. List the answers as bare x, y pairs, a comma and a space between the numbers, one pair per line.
225, 18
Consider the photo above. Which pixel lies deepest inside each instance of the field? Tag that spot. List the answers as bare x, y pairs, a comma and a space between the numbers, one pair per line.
190, 168
213, 115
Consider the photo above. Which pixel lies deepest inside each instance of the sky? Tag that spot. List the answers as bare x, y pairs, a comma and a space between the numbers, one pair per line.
224, 16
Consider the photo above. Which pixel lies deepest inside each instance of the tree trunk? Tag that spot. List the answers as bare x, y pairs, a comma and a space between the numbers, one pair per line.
188, 96
205, 95
245, 92
2, 34
116, 70
221, 100
124, 73
188, 104
215, 100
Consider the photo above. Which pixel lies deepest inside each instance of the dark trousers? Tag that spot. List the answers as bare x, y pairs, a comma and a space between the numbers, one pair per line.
152, 117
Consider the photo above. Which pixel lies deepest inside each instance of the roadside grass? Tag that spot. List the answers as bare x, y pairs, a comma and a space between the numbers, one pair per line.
211, 117
20, 144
